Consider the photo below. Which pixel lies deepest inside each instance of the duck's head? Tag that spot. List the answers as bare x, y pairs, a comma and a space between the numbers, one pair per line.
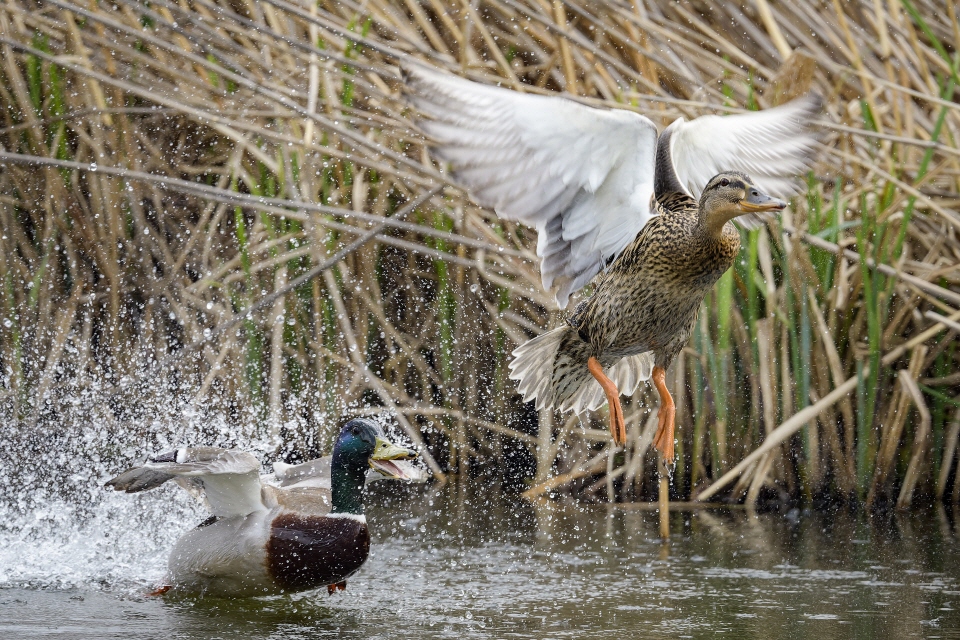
731, 194
362, 441
361, 445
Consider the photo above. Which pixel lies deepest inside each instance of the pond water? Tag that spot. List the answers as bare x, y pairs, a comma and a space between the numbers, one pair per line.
469, 561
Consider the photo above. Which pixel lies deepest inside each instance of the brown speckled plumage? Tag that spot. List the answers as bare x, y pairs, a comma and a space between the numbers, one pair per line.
585, 178
643, 307
649, 297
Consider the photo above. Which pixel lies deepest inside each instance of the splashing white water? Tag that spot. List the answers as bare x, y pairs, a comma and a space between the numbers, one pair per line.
116, 542
59, 527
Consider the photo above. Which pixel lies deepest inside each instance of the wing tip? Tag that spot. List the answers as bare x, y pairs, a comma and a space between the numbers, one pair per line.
812, 102
412, 71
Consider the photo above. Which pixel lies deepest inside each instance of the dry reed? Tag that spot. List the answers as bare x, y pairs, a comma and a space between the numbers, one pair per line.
202, 207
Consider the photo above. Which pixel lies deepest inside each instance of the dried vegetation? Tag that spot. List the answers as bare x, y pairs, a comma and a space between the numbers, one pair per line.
221, 209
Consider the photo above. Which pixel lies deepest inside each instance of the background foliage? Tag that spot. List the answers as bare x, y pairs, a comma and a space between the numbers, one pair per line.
219, 224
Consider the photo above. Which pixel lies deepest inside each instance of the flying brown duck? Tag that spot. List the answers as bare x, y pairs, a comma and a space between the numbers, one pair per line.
645, 217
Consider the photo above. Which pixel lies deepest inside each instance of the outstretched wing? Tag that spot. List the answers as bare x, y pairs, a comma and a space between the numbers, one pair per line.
583, 177
138, 479
773, 147
230, 479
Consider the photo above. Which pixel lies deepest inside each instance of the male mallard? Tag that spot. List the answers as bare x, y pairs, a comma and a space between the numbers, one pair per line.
263, 539
607, 195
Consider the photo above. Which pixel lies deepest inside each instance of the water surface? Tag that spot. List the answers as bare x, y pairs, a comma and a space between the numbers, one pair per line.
469, 561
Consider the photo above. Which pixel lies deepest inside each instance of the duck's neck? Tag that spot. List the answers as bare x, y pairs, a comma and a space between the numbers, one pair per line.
347, 477
713, 231
715, 251
711, 220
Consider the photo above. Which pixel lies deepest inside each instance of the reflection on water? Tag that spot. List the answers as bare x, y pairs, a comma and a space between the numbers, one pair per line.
469, 562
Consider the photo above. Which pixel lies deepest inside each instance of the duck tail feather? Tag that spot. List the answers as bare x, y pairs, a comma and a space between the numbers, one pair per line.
532, 367
552, 369
627, 374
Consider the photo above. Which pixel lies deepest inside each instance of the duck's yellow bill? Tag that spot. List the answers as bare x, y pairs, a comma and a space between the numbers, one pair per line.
387, 459
757, 201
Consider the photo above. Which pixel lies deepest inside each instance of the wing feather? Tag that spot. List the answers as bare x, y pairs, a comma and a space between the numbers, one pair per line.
774, 147
582, 176
230, 478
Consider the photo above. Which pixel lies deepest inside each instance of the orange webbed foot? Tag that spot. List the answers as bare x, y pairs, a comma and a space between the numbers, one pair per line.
339, 586
618, 430
161, 590
666, 417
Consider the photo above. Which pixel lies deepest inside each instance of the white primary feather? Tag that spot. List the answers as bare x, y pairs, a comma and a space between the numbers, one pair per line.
583, 177
773, 147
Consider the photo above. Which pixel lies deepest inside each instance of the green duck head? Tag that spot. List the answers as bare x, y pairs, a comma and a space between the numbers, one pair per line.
360, 446
731, 194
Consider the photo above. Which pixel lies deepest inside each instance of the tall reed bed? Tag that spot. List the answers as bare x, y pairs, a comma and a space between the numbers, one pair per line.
219, 223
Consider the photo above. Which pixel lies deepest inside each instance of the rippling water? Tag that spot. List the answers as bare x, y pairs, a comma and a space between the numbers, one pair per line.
468, 561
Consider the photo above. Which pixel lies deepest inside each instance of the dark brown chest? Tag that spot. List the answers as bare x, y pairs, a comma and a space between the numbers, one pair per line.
306, 552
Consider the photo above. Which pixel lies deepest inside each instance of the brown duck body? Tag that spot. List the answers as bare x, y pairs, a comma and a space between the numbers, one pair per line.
649, 297
643, 308
640, 315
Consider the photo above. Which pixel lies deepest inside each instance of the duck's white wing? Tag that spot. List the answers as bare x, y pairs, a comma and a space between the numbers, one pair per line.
583, 177
230, 478
773, 147
315, 472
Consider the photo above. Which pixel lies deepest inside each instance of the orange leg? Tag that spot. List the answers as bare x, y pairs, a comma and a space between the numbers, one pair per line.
663, 440
333, 588
161, 590
617, 428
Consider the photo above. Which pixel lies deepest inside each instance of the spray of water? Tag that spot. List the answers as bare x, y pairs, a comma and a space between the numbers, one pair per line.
59, 526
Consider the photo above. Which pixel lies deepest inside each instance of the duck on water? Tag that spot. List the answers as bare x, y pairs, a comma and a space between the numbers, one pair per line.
263, 539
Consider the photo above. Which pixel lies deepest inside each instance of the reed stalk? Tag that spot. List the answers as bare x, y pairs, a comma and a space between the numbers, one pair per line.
176, 178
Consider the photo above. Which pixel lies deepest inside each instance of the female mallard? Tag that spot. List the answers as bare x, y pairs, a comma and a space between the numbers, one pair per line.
607, 195
263, 539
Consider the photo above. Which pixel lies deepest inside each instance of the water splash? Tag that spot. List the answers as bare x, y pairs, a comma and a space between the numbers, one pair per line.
115, 542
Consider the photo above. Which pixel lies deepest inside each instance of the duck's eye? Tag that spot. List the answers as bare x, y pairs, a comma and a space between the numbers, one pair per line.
724, 183
355, 430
